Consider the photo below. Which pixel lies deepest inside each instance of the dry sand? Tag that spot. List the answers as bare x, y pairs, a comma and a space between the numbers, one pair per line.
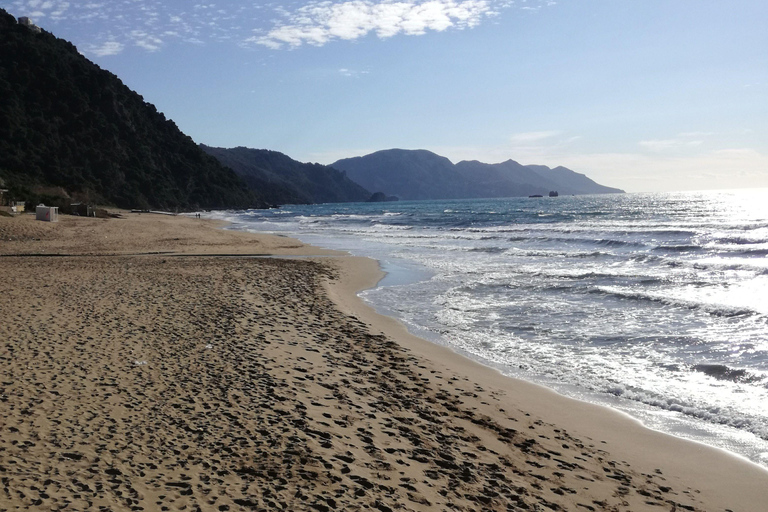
142, 370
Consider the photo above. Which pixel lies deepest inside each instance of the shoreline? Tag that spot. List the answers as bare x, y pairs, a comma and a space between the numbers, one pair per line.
686, 425
683, 428
450, 409
575, 415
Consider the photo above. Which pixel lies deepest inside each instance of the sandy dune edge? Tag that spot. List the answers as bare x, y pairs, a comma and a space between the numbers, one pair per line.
137, 381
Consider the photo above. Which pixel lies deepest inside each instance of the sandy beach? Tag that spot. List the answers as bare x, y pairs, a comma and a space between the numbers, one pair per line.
151, 362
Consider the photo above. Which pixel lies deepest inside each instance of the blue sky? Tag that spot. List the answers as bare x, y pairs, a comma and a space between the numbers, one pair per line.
646, 95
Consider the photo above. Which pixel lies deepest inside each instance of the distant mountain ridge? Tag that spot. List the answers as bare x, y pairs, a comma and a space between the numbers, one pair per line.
287, 181
70, 131
421, 174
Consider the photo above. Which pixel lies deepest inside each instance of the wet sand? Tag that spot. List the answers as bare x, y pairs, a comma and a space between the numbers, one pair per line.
141, 369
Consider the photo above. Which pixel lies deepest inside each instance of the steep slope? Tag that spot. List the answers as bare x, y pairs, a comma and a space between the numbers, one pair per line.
571, 182
506, 179
69, 128
408, 174
287, 181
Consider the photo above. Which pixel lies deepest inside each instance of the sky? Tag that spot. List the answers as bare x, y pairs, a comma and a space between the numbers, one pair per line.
644, 95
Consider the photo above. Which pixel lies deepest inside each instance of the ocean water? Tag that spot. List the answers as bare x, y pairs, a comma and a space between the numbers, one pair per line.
654, 304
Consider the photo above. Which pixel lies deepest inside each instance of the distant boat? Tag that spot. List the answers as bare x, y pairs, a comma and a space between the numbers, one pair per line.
553, 193
536, 195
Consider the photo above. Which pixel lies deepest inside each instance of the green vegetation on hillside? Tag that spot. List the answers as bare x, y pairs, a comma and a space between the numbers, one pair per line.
67, 127
287, 181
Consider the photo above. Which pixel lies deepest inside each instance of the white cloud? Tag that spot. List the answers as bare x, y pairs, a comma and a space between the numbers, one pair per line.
682, 141
317, 23
43, 8
669, 144
351, 72
272, 25
147, 41
107, 49
532, 147
529, 137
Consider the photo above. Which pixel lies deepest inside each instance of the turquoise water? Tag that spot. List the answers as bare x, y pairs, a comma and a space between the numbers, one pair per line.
656, 304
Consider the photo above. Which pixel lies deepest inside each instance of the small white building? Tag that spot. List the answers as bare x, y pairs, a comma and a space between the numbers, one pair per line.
47, 213
27, 22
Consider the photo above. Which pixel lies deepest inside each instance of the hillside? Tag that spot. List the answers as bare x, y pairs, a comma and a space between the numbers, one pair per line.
287, 181
420, 174
71, 129
506, 179
416, 174
571, 182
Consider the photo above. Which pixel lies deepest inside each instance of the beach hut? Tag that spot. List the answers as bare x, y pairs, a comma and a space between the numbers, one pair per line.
81, 209
47, 213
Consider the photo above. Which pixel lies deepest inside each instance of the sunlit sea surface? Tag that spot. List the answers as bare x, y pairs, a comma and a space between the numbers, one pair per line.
654, 304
